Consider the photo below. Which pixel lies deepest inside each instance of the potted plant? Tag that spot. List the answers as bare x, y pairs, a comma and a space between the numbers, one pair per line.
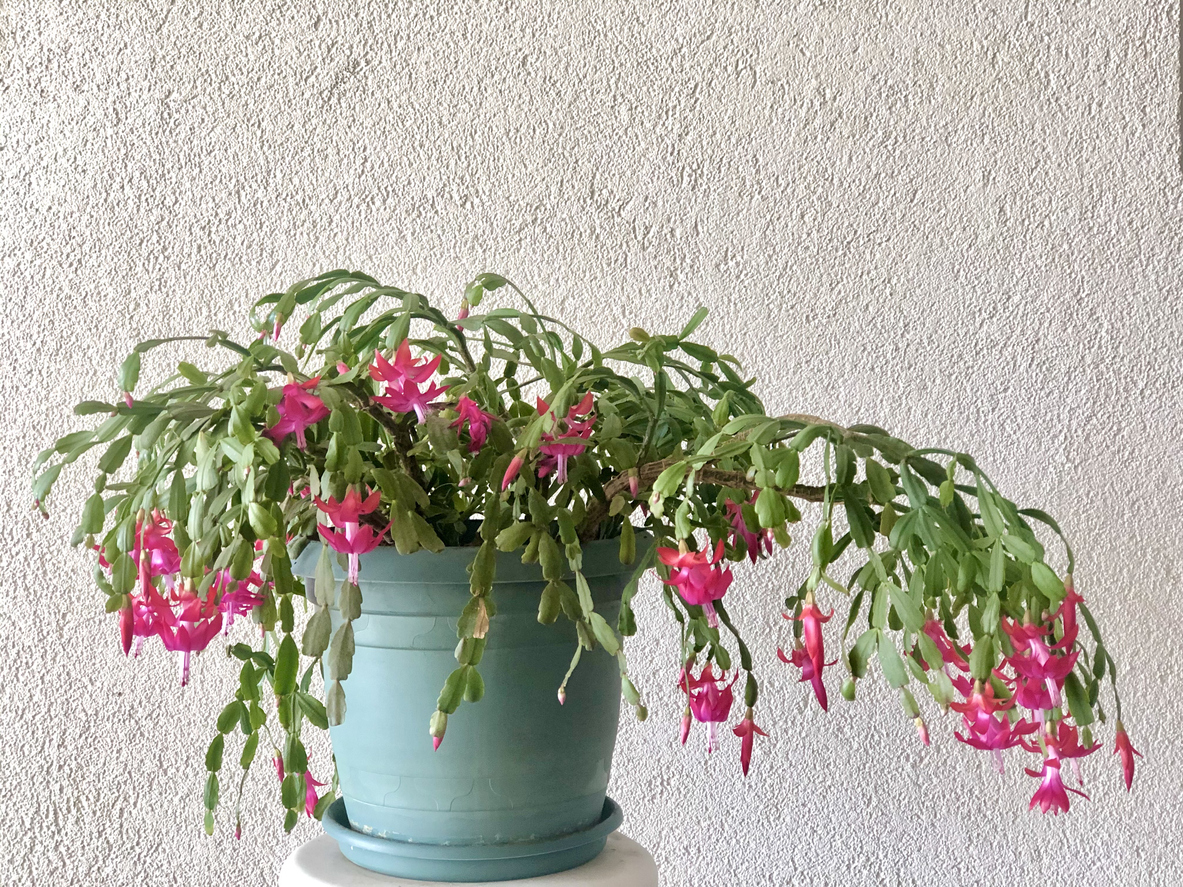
421, 510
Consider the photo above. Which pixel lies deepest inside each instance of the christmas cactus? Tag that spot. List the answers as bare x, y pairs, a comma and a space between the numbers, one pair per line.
391, 423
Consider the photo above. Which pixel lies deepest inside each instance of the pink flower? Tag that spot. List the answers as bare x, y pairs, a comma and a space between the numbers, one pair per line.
402, 377
811, 627
403, 368
1051, 794
1061, 743
809, 672
1126, 751
710, 699
347, 513
1051, 672
238, 598
1028, 638
754, 543
986, 727
1067, 615
810, 657
746, 731
1033, 695
298, 409
479, 423
310, 798
152, 535
363, 541
951, 654
188, 625
697, 577
139, 620
565, 440
407, 398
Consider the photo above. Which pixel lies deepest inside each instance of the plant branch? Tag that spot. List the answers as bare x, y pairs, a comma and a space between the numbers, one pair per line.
706, 474
400, 433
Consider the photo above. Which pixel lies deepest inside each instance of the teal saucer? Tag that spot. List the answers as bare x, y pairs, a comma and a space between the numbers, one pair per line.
471, 862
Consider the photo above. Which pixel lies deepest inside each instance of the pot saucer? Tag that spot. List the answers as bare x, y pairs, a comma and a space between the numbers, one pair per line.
470, 862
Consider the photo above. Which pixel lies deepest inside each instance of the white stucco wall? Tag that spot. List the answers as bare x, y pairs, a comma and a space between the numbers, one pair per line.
957, 219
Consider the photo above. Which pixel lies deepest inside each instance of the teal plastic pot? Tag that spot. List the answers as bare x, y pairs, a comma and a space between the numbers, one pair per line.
516, 768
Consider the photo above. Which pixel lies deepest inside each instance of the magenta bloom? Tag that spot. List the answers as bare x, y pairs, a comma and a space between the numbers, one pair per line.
809, 672
1061, 744
363, 541
139, 619
347, 513
479, 423
403, 376
710, 699
1067, 616
756, 543
566, 440
746, 731
1051, 672
188, 625
1125, 751
1051, 794
298, 409
951, 654
408, 398
238, 598
403, 368
811, 627
697, 577
310, 798
810, 657
152, 535
1029, 638
987, 727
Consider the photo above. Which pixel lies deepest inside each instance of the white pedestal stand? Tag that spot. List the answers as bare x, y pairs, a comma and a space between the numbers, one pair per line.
319, 863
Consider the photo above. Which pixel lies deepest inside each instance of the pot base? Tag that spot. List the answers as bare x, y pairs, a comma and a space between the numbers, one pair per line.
470, 862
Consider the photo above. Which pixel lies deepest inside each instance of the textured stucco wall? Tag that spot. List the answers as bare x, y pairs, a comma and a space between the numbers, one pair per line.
957, 219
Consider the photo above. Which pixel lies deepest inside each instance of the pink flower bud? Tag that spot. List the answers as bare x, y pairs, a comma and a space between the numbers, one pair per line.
435, 742
634, 483
238, 831
515, 465
922, 730
127, 399
685, 725
342, 367
1125, 751
562, 695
